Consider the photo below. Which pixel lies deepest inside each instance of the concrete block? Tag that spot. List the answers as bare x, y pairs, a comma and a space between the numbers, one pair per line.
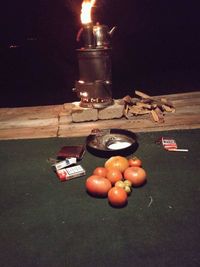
80, 114
114, 111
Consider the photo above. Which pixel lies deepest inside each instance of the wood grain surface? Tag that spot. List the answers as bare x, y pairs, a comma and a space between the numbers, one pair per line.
55, 121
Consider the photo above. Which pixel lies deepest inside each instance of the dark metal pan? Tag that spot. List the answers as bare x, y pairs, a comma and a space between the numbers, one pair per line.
110, 142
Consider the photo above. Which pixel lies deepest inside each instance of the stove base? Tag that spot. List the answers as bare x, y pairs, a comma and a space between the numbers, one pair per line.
94, 103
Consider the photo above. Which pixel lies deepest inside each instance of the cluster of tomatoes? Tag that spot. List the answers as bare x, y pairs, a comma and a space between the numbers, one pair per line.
116, 179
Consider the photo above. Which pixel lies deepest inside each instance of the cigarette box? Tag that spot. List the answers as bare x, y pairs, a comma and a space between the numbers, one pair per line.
70, 172
64, 163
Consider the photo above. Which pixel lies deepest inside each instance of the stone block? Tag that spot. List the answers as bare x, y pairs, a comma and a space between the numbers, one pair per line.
80, 114
114, 111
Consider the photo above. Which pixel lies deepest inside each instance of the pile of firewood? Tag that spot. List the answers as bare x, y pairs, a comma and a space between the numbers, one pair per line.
145, 104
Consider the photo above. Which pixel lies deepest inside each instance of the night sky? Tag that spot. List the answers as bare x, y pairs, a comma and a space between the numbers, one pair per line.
155, 48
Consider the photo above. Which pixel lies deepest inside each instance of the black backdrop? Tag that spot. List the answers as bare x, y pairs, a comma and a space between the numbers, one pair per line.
155, 48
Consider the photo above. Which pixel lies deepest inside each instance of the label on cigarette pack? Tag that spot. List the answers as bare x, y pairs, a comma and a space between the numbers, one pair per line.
70, 172
64, 163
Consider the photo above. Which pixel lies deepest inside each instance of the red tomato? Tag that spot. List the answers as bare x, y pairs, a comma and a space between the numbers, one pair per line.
114, 175
117, 162
136, 175
98, 186
101, 171
117, 196
135, 162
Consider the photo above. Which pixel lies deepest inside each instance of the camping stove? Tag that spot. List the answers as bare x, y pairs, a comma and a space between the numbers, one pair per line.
94, 86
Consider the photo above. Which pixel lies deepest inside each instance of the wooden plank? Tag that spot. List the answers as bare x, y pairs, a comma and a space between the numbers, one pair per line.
29, 122
136, 125
29, 116
187, 116
29, 133
55, 121
183, 96
186, 103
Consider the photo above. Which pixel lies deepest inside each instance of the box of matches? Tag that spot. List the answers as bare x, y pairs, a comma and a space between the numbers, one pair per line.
170, 144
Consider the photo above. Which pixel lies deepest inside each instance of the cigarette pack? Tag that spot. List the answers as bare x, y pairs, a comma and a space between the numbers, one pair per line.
64, 163
70, 173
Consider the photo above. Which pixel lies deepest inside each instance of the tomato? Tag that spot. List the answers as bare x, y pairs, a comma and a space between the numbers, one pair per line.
98, 186
127, 189
120, 184
114, 175
128, 183
135, 162
117, 196
118, 162
136, 175
101, 171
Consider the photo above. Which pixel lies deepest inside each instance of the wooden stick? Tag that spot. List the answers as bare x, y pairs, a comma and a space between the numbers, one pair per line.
142, 95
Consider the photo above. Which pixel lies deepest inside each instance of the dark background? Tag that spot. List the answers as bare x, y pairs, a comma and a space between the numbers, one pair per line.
155, 48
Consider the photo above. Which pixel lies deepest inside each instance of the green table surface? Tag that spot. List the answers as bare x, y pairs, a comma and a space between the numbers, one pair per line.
45, 222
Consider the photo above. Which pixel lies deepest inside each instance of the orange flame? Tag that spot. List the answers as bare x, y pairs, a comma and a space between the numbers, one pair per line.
86, 11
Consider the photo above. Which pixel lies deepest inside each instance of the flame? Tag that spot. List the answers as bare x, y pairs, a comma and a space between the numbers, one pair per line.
86, 11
